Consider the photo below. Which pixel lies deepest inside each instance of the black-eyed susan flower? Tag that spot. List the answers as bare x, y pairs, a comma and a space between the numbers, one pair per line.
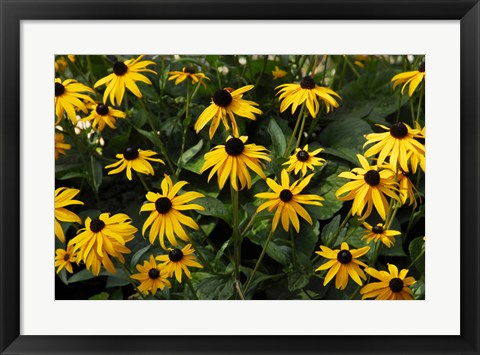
166, 218
392, 286
101, 115
60, 145
227, 102
136, 159
378, 233
412, 78
187, 73
233, 159
369, 186
406, 189
287, 199
68, 98
151, 276
177, 262
342, 264
125, 74
64, 197
102, 238
64, 259
278, 73
60, 64
398, 143
307, 91
302, 159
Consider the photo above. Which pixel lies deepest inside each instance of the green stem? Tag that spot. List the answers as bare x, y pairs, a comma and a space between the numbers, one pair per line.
303, 58
349, 63
412, 112
300, 133
140, 177
190, 286
236, 239
324, 71
416, 259
128, 273
259, 261
287, 150
294, 254
249, 224
419, 107
186, 123
162, 146
399, 107
265, 62
199, 253
313, 66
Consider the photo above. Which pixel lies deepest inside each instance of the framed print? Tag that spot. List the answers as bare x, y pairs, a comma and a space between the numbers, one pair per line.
239, 178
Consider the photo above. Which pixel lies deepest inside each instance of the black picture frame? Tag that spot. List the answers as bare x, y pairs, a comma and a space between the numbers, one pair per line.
13, 12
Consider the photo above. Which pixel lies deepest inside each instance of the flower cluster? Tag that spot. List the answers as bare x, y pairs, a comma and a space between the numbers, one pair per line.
195, 172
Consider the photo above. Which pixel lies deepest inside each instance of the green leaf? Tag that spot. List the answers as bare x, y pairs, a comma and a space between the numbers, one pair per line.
279, 143
152, 137
327, 189
136, 257
190, 153
62, 275
84, 275
216, 288
214, 207
417, 253
395, 250
73, 175
100, 296
328, 231
297, 280
97, 173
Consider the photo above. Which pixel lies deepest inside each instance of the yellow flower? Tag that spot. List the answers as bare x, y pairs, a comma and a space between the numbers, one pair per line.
135, 159
233, 159
60, 145
124, 75
369, 186
151, 276
187, 72
302, 160
64, 197
165, 217
68, 98
342, 264
392, 286
398, 142
178, 261
60, 64
412, 78
376, 233
226, 102
309, 92
278, 73
287, 201
64, 259
102, 115
102, 238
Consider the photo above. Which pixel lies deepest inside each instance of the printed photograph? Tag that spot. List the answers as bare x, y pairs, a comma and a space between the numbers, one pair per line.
239, 177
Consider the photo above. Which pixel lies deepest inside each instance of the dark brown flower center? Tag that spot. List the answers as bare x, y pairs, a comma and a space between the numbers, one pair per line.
399, 130
175, 255
372, 177
59, 89
97, 225
303, 155
189, 70
119, 68
222, 98
102, 109
286, 195
234, 146
396, 284
307, 82
130, 153
66, 257
153, 273
344, 256
377, 229
163, 205
421, 68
